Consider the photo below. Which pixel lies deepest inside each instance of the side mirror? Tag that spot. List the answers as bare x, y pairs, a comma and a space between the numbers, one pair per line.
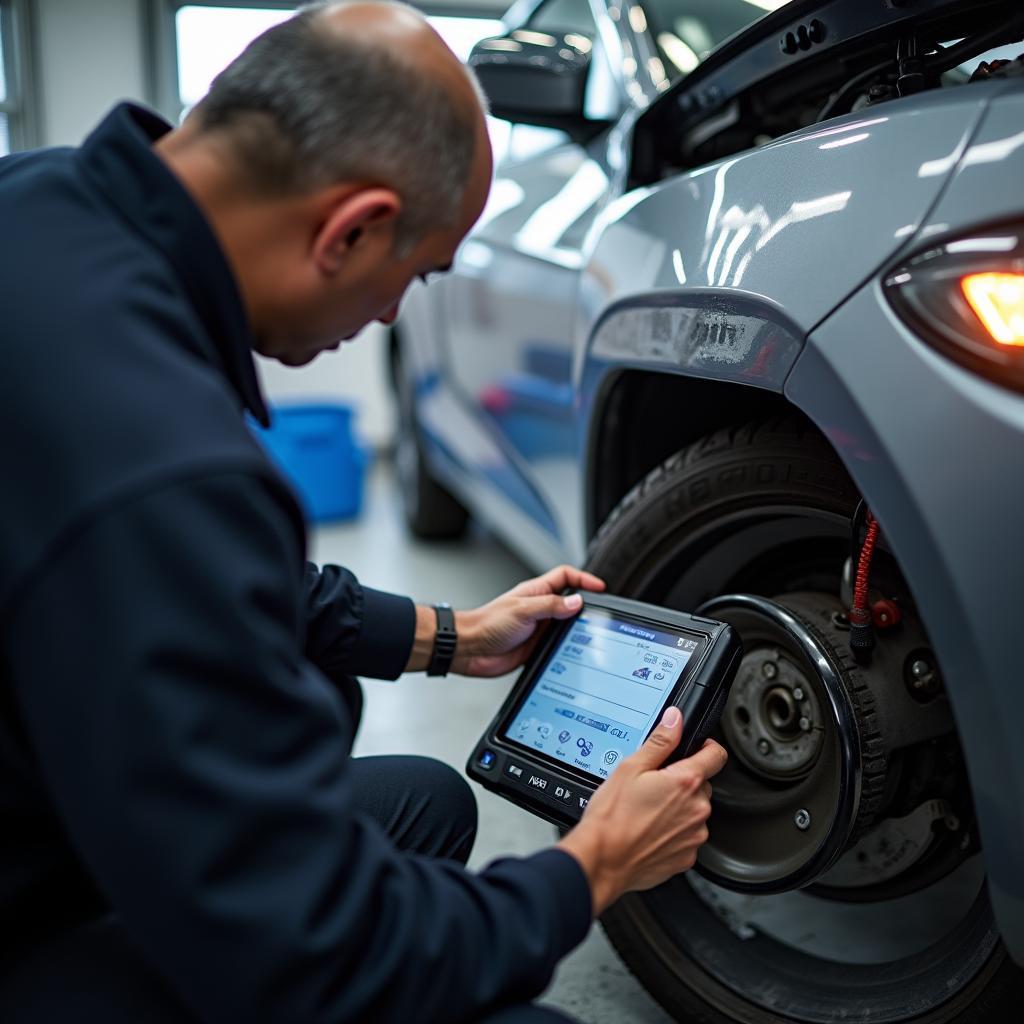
536, 78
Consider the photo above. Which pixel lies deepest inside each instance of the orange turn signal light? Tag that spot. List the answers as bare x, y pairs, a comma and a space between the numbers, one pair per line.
998, 301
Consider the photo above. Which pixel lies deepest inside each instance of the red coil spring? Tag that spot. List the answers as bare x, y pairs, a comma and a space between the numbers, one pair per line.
859, 611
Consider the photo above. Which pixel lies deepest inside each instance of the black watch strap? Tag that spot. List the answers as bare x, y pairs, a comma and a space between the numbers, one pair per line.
444, 641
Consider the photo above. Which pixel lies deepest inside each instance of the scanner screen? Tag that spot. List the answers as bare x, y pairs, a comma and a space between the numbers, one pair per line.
601, 691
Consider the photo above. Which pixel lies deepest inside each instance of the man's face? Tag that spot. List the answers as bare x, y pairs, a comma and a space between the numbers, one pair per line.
373, 280
372, 291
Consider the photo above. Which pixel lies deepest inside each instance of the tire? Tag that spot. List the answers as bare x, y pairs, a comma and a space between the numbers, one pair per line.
765, 509
431, 512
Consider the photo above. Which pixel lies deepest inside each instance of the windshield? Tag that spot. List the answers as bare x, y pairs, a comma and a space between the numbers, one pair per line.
686, 31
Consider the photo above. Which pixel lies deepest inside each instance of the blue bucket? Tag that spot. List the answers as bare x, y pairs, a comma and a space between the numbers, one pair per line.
315, 448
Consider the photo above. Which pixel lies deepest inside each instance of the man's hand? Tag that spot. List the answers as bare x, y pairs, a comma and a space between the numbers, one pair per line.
499, 636
646, 823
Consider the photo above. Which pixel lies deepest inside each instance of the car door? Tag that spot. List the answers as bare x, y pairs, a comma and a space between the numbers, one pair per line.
509, 306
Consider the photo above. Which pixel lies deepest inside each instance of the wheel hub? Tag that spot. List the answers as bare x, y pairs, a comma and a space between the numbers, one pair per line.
774, 723
788, 802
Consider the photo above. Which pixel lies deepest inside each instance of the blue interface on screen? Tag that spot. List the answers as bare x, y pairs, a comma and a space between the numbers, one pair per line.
601, 691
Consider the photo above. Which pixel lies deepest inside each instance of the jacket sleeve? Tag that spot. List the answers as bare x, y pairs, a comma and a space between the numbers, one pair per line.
353, 630
199, 764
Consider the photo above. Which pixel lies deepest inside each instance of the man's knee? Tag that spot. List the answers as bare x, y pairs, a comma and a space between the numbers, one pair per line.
424, 805
450, 789
451, 805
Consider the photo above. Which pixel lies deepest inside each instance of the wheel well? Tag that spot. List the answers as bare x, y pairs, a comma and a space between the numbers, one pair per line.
642, 418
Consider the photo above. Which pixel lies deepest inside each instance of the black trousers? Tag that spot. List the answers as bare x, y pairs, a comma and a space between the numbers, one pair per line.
94, 973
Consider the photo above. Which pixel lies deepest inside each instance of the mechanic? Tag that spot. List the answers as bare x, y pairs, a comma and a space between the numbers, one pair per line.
184, 834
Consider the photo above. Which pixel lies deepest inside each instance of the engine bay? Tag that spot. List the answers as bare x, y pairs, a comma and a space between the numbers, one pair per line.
782, 76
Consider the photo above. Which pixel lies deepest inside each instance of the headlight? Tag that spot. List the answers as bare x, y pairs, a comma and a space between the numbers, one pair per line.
966, 298
998, 299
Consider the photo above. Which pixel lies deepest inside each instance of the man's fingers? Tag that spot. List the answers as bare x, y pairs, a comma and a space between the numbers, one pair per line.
707, 762
552, 606
562, 577
581, 579
660, 743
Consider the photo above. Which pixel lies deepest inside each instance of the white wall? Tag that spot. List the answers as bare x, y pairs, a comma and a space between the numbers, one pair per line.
89, 55
92, 53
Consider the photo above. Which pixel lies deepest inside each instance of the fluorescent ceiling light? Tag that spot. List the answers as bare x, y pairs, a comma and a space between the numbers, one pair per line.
537, 38
638, 18
681, 54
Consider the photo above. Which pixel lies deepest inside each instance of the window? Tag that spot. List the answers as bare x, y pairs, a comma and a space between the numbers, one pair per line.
14, 133
462, 33
686, 31
209, 36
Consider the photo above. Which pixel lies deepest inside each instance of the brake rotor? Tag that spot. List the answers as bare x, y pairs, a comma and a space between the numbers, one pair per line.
806, 760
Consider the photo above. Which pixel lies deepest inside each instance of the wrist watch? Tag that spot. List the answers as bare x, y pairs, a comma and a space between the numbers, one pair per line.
445, 640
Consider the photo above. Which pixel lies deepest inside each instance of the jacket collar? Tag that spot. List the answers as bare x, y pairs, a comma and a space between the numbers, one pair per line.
119, 158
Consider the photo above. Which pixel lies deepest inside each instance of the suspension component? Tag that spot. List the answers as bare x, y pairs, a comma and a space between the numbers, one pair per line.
862, 634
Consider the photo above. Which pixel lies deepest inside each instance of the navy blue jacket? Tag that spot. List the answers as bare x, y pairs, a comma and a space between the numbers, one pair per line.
175, 692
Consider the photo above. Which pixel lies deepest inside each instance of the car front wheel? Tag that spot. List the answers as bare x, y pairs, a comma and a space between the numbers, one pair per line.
843, 879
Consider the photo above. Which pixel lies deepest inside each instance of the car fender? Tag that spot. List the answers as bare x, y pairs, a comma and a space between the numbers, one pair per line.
953, 528
692, 275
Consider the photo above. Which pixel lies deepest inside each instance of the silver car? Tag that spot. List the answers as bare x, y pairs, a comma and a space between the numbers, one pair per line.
742, 328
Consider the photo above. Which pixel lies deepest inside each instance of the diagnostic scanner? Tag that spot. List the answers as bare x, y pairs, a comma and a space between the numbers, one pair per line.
592, 693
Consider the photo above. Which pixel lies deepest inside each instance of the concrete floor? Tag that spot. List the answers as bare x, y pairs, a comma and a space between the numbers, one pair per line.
443, 718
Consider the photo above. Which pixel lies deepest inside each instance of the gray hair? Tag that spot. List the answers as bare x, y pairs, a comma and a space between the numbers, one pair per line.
306, 107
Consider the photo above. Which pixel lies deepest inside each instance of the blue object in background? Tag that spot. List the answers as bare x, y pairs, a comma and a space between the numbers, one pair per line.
315, 448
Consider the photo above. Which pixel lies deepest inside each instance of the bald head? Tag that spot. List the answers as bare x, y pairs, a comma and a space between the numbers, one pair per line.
403, 32
353, 92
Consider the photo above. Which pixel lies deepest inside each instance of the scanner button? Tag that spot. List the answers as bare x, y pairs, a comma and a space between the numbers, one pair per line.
486, 759
516, 772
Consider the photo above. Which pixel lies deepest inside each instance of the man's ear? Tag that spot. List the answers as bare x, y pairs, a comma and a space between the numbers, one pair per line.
350, 221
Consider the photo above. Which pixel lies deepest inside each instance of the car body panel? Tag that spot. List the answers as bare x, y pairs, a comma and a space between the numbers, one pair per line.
515, 284
735, 249
987, 181
759, 223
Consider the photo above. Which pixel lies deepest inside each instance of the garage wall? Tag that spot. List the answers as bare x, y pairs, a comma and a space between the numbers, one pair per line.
89, 54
